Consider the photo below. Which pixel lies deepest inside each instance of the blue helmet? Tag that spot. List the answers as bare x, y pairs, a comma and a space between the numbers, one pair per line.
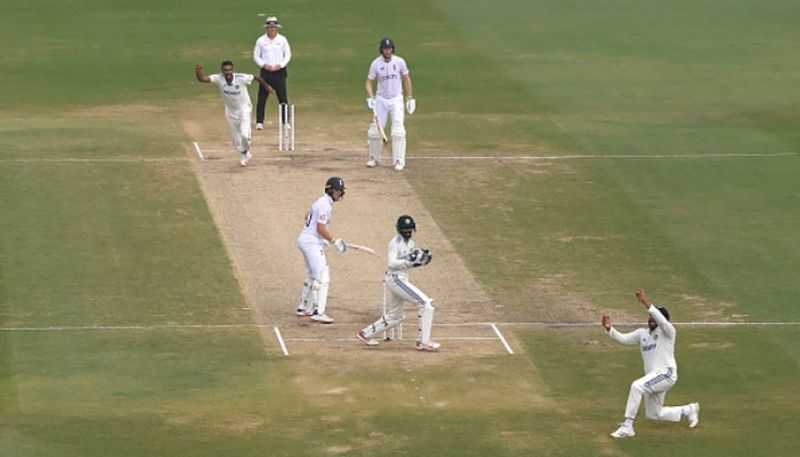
386, 43
334, 182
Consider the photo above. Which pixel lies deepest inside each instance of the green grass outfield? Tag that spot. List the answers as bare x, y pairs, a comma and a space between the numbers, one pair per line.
627, 85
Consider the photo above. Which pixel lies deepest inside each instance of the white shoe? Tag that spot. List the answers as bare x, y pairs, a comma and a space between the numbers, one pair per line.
430, 346
259, 126
398, 166
694, 414
623, 432
372, 163
368, 341
246, 156
322, 318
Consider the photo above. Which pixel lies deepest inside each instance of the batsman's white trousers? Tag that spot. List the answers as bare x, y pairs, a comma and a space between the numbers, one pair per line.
385, 107
653, 387
240, 131
314, 257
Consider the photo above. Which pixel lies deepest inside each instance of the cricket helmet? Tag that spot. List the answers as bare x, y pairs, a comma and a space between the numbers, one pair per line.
386, 43
405, 226
334, 182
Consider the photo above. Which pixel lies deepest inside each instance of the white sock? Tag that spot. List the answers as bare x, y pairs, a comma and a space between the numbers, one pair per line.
629, 422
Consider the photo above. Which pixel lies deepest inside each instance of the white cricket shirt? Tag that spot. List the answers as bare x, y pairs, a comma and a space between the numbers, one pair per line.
235, 95
320, 213
657, 347
274, 51
389, 75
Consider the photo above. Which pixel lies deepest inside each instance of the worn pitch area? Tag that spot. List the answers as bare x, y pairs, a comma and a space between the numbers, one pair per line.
260, 210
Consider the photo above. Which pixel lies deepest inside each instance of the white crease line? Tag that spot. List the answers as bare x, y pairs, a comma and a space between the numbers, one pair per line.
94, 160
599, 156
543, 158
445, 338
64, 328
500, 335
280, 340
199, 152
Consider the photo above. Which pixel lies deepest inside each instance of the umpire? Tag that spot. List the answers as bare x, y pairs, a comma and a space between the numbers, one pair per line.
272, 54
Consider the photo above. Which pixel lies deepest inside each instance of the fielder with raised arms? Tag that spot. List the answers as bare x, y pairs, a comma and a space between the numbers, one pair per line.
312, 241
389, 70
402, 255
657, 345
238, 107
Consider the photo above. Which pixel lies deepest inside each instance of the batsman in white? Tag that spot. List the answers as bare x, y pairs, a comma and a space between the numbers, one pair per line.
312, 241
238, 108
389, 70
657, 344
402, 255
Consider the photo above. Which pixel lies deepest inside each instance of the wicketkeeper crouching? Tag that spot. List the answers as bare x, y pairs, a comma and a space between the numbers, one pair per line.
402, 255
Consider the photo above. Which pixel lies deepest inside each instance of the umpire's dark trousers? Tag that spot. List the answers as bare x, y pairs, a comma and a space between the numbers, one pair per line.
276, 79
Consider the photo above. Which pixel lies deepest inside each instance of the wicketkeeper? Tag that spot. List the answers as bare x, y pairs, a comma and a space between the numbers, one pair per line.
657, 344
403, 255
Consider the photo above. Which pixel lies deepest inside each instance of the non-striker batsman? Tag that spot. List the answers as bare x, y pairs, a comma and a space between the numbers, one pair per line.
392, 76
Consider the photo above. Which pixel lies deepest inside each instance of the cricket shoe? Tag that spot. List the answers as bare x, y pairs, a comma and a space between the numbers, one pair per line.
694, 414
372, 163
302, 312
259, 126
368, 341
246, 156
623, 431
430, 346
322, 318
398, 166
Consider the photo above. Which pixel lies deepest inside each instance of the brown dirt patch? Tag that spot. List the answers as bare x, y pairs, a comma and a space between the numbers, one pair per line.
259, 211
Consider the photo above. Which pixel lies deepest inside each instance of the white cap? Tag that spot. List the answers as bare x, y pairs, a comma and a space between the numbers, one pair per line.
272, 21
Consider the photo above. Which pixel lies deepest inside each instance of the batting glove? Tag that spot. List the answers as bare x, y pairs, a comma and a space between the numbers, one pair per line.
411, 105
340, 245
370, 103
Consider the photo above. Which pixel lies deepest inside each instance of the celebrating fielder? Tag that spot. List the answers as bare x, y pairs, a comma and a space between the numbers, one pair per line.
312, 241
403, 254
238, 108
388, 69
657, 344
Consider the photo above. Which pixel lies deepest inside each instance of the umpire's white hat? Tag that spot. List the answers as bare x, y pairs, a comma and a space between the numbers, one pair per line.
272, 21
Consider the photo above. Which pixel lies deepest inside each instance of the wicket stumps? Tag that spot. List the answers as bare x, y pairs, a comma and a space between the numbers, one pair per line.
395, 333
286, 129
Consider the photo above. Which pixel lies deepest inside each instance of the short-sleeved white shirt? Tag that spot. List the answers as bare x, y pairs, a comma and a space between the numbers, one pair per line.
235, 95
320, 213
389, 75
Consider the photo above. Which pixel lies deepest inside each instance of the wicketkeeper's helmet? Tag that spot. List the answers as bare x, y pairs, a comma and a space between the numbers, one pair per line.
334, 182
406, 225
386, 43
